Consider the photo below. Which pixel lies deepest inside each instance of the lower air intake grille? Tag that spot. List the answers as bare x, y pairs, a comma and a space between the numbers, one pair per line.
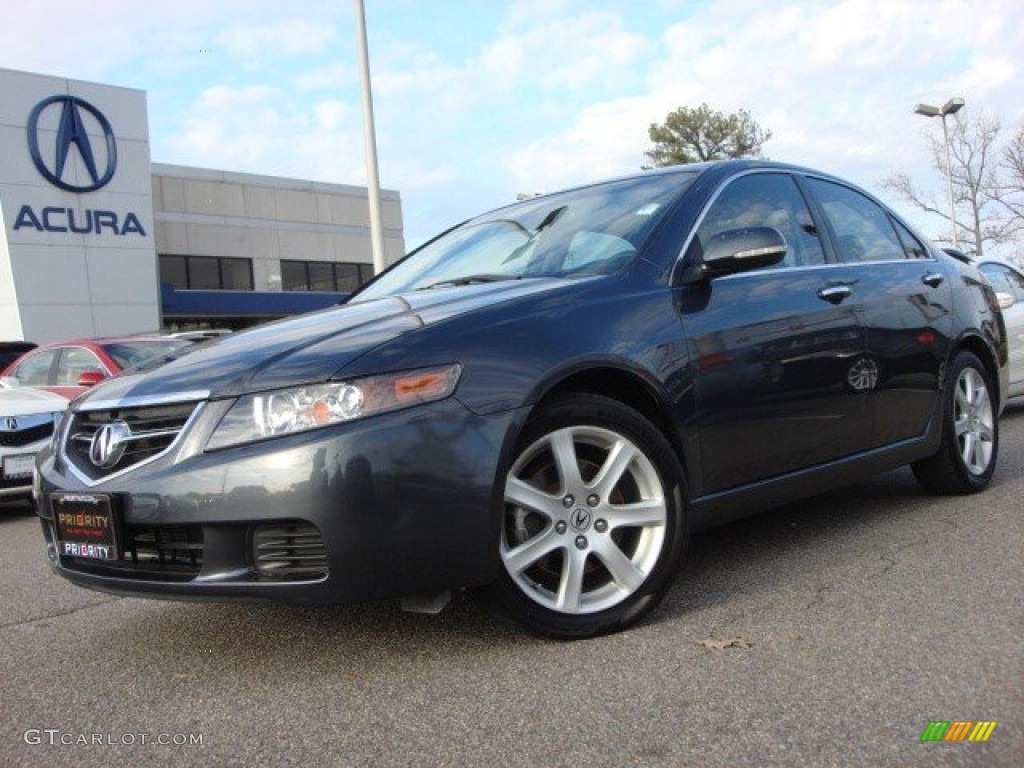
22, 437
289, 552
178, 547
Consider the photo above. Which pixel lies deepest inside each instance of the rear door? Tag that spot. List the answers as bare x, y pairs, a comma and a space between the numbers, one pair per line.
903, 300
772, 347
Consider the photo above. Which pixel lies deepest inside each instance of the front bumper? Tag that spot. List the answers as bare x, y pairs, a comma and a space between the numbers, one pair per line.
17, 486
403, 503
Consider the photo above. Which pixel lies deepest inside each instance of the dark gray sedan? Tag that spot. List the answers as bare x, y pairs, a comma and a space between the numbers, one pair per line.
544, 401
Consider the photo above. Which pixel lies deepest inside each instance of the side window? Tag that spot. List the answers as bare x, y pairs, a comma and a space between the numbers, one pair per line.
74, 361
765, 200
863, 230
911, 245
1017, 281
35, 370
999, 277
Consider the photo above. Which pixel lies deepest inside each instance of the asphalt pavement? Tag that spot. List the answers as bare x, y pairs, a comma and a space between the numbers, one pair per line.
852, 620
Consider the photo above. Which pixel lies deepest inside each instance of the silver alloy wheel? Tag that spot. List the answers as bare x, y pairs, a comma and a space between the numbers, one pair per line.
973, 421
585, 517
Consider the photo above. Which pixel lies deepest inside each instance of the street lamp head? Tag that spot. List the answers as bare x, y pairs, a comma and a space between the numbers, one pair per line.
952, 106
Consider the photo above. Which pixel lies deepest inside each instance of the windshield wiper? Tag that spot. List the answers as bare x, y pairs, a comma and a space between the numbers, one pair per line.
550, 219
469, 280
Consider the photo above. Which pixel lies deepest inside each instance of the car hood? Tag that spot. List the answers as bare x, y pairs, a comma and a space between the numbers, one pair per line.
304, 349
24, 401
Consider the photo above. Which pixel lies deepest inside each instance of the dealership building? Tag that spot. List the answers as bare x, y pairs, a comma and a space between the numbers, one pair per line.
97, 240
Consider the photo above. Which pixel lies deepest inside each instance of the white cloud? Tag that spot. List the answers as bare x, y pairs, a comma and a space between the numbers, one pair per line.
256, 128
539, 93
281, 37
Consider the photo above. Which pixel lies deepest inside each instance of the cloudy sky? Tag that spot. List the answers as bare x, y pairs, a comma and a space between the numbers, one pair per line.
478, 101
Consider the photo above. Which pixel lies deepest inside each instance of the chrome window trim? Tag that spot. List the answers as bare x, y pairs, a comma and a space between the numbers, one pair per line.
83, 478
803, 269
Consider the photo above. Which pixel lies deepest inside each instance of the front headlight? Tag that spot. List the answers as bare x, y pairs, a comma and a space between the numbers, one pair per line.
299, 409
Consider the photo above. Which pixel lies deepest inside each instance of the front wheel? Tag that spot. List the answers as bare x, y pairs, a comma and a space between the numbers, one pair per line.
592, 527
967, 455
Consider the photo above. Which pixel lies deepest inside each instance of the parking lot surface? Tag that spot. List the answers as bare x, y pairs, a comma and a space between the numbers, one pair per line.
855, 619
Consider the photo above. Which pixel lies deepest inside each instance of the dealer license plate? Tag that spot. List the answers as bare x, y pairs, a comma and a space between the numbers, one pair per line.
19, 466
85, 526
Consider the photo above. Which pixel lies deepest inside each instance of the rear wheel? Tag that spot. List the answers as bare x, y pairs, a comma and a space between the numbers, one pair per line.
966, 458
592, 527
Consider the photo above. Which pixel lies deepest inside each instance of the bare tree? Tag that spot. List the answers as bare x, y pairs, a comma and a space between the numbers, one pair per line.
988, 205
1011, 189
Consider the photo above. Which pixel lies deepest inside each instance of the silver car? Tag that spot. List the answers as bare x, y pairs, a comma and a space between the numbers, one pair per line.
27, 419
1008, 281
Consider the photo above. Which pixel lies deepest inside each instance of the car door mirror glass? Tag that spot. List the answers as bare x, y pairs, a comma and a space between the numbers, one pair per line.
90, 378
1005, 300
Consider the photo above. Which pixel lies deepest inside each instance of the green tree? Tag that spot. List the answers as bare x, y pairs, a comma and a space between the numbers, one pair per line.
697, 135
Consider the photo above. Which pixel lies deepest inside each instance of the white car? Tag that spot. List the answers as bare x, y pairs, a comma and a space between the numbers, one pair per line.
1008, 282
27, 420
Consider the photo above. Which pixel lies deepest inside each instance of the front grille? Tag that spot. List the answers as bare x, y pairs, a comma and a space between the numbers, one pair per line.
289, 552
153, 429
169, 552
26, 436
16, 482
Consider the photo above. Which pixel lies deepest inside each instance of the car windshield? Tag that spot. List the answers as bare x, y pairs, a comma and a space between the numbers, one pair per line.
128, 354
589, 231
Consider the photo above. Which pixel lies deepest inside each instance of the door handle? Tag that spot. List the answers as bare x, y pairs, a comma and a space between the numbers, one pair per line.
834, 293
933, 279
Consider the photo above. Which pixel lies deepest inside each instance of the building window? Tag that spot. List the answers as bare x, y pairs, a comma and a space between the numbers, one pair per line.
206, 273
343, 277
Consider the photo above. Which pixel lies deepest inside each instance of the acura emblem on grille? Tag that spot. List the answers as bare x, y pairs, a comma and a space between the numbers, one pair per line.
108, 444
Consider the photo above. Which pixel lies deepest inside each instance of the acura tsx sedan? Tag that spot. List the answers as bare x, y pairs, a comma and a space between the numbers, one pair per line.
543, 402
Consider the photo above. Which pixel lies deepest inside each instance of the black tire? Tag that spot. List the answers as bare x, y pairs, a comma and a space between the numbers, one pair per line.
967, 455
593, 552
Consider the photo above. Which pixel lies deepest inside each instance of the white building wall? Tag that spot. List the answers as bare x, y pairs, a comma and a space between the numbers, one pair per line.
61, 284
203, 212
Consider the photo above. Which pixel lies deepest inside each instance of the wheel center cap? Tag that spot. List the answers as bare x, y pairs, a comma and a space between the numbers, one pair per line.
580, 519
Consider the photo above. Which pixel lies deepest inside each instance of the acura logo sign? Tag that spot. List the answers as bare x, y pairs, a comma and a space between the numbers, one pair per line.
108, 444
581, 518
72, 133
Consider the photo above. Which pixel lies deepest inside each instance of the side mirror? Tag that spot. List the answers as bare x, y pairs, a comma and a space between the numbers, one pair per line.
741, 250
1005, 300
90, 378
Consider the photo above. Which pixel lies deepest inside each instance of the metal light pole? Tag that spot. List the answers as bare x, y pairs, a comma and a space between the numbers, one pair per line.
370, 144
951, 107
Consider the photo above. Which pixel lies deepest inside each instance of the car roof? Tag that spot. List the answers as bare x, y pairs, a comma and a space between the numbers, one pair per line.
106, 340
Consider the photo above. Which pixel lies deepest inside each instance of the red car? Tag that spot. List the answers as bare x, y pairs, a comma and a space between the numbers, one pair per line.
70, 367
